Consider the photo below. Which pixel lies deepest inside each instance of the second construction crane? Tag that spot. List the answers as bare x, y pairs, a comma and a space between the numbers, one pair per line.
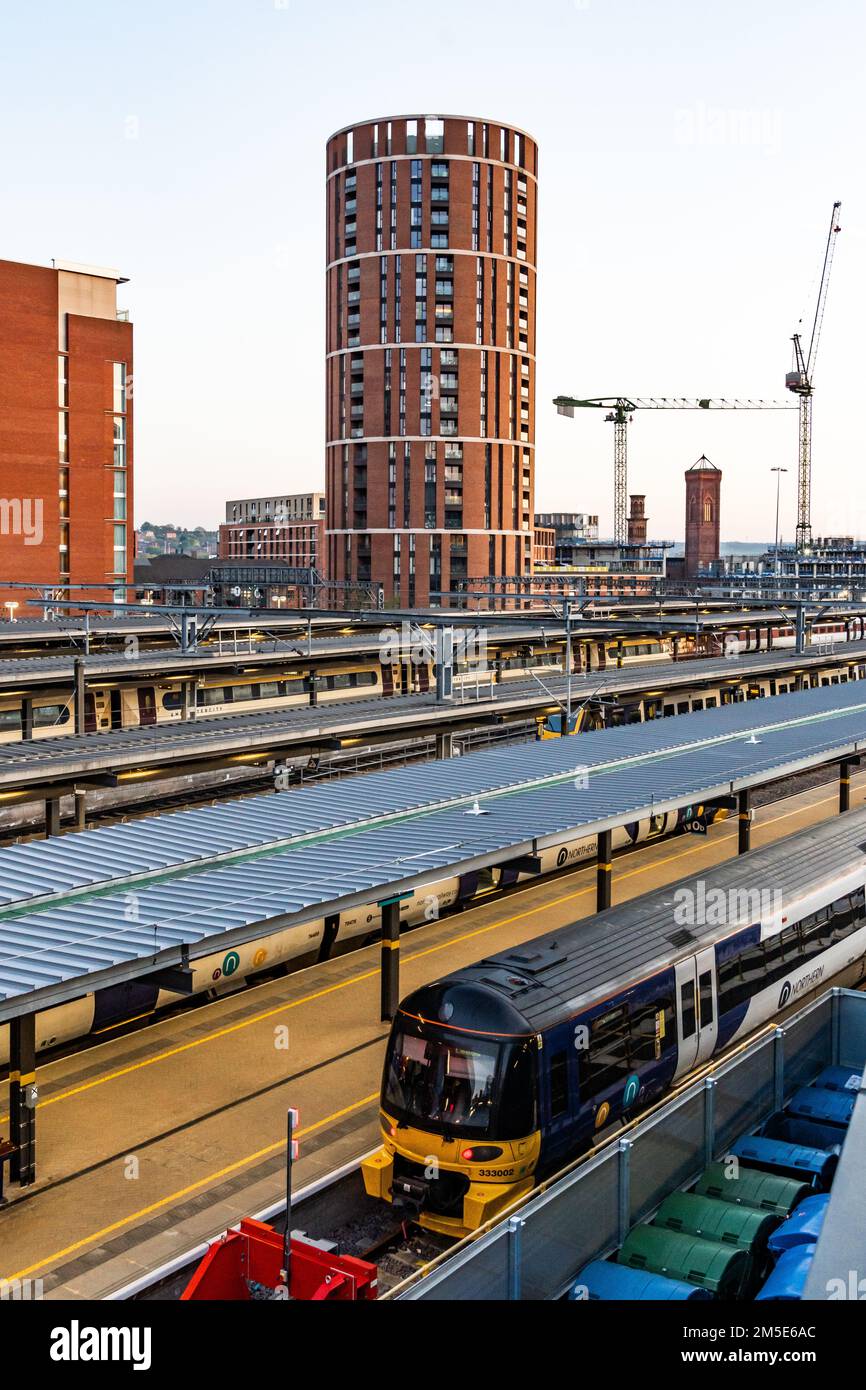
800, 381
620, 410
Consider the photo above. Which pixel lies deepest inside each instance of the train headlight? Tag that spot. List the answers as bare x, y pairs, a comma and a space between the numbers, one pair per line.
480, 1153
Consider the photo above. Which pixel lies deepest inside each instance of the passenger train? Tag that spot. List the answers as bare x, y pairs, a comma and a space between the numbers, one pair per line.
499, 1074
225, 971
600, 712
136, 704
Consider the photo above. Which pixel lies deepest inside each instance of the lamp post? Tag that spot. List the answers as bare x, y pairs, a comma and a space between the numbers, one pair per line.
778, 472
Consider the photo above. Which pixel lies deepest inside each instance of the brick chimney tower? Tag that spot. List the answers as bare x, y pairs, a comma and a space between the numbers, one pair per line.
637, 519
703, 493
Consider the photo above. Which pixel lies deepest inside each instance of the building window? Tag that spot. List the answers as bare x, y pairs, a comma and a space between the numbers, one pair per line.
119, 496
119, 549
120, 441
434, 134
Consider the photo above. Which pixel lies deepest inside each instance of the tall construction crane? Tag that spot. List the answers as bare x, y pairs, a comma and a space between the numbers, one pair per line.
799, 380
620, 410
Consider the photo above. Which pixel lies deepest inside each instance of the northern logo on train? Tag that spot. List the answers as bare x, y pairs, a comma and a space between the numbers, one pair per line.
561, 857
785, 994
260, 956
231, 962
632, 1088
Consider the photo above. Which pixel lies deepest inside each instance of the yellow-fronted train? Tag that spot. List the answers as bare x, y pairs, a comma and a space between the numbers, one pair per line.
500, 1074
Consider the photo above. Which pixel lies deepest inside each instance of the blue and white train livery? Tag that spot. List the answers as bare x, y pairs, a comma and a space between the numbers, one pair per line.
499, 1074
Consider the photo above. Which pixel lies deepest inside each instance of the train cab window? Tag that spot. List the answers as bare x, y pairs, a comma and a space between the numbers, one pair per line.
687, 1008
47, 716
705, 998
558, 1084
172, 699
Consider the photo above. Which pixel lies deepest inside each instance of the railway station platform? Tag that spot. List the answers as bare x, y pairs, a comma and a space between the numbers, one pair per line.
156, 1141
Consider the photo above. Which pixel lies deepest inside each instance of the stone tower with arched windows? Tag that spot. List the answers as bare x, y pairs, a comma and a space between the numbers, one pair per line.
703, 494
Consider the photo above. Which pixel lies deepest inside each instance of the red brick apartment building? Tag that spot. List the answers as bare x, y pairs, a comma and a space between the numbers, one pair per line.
430, 416
289, 528
65, 430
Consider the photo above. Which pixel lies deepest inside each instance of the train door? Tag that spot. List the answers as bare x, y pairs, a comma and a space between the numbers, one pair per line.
708, 1011
697, 1010
387, 678
558, 1089
146, 705
89, 714
116, 709
687, 1016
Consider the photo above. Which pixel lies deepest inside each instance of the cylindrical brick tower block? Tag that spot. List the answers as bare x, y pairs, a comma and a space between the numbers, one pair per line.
703, 495
430, 425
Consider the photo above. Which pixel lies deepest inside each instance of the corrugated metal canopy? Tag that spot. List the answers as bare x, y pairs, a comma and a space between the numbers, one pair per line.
222, 872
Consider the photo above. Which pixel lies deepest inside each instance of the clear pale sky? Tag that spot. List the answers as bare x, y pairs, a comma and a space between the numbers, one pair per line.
689, 158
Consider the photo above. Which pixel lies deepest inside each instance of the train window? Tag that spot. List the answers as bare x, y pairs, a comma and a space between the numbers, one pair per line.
558, 1084
711, 702
697, 704
213, 695
683, 707
652, 1030
687, 1008
606, 1062
172, 699
705, 998
10, 719
669, 710
269, 690
244, 692
366, 677
46, 716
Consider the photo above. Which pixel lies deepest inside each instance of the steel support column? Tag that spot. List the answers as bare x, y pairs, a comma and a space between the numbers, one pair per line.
78, 667
744, 821
390, 952
52, 816
22, 1098
604, 871
80, 808
845, 785
445, 744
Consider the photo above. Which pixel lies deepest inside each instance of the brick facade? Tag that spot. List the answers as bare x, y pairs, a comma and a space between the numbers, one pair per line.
54, 324
430, 397
703, 496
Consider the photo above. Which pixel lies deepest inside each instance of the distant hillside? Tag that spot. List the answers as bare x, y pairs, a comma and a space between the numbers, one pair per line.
733, 547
